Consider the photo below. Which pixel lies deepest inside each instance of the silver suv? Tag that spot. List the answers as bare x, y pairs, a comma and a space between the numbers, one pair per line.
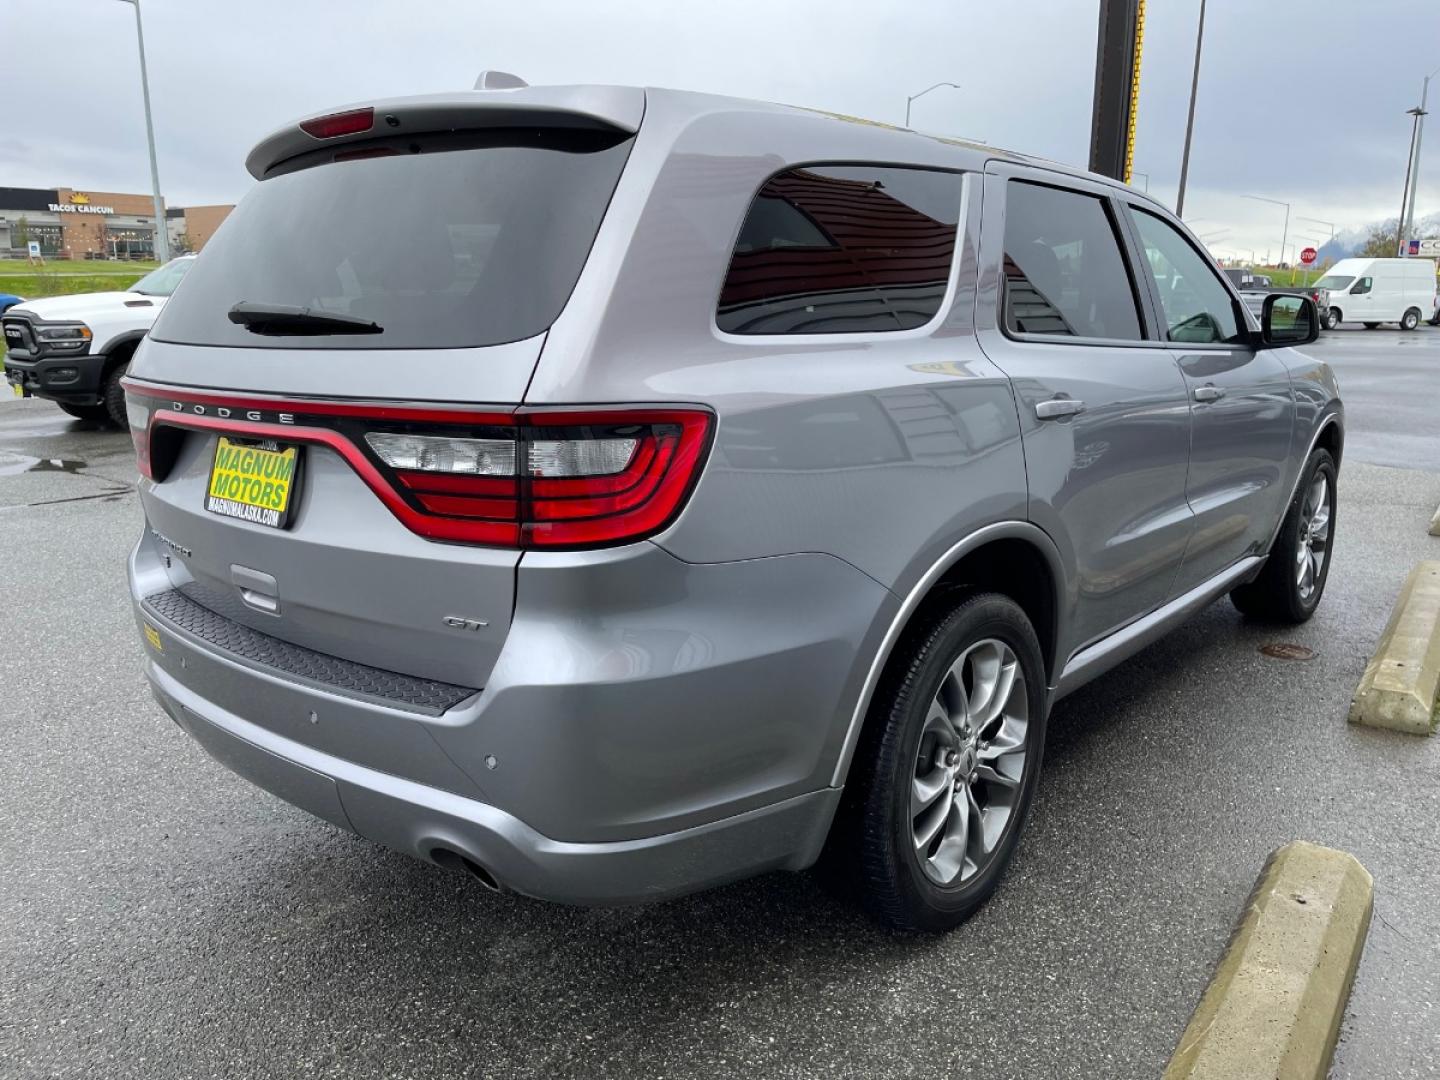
615, 492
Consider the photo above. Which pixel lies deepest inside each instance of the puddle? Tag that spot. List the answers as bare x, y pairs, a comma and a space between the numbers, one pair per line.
15, 464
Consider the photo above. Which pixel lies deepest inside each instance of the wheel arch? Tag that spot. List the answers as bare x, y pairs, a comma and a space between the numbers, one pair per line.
1331, 437
119, 350
1015, 558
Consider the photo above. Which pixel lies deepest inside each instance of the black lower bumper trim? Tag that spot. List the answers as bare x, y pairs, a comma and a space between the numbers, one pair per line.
329, 673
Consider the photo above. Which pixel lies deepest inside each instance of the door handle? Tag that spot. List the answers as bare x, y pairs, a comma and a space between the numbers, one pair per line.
1056, 408
1209, 393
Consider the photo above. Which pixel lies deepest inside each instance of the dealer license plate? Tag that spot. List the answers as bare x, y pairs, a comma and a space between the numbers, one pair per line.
253, 480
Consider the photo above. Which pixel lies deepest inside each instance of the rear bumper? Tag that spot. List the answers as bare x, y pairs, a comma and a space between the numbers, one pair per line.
429, 823
75, 380
651, 728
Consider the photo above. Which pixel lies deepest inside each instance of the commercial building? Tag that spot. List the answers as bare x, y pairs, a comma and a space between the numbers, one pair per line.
72, 224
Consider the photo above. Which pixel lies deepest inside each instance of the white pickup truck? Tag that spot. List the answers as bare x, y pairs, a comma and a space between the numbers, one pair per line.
74, 350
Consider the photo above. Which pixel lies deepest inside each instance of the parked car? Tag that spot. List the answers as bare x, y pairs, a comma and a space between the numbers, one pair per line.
663, 488
74, 350
9, 300
1254, 298
1375, 291
1254, 288
1243, 278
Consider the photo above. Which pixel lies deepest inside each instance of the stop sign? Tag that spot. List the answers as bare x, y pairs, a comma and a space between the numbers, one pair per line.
1308, 256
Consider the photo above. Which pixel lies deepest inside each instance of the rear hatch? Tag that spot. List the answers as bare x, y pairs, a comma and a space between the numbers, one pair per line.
326, 408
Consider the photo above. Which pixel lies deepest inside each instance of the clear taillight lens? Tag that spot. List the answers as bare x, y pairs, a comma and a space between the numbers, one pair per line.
578, 457
470, 457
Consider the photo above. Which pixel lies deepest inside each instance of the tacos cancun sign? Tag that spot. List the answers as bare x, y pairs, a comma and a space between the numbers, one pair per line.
79, 204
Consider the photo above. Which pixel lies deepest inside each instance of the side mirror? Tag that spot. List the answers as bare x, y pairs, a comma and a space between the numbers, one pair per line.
1288, 320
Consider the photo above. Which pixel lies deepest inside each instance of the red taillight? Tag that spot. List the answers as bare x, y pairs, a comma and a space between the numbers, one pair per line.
541, 479
333, 125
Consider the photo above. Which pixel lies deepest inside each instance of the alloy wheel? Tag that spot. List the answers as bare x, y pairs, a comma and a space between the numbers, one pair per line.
970, 764
1313, 546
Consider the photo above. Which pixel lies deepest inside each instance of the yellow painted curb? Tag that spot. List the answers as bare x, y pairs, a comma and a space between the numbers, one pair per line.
1274, 1007
1398, 688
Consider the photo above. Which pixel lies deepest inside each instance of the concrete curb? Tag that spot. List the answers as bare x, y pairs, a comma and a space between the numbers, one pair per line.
1398, 688
1274, 1006
1435, 524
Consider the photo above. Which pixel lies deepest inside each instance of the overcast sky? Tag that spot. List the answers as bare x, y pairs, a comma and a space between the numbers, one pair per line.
1299, 101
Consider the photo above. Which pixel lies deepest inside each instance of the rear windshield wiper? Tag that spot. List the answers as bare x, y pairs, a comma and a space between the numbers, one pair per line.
292, 320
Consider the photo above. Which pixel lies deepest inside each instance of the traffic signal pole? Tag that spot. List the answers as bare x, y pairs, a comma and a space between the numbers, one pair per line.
1117, 87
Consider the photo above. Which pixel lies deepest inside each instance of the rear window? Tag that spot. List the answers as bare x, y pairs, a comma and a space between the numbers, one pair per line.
1335, 282
443, 241
833, 249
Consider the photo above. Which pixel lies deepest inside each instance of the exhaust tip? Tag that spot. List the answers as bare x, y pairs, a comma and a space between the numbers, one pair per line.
463, 864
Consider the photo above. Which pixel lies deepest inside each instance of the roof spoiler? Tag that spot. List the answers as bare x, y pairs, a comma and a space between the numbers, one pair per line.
499, 100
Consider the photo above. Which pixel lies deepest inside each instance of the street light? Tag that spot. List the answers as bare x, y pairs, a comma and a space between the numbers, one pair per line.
162, 239
1285, 235
1401, 229
1412, 180
913, 97
1190, 118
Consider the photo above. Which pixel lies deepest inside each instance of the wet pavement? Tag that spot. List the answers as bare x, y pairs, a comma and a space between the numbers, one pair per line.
160, 917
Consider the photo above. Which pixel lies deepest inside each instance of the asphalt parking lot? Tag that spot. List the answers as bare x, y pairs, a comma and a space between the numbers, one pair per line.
161, 918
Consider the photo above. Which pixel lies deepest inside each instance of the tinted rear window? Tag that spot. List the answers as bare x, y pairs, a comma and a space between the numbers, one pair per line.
445, 241
829, 249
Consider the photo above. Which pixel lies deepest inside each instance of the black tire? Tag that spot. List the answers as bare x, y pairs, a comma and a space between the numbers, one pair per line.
1410, 320
96, 414
1276, 595
113, 395
1332, 319
1371, 325
874, 828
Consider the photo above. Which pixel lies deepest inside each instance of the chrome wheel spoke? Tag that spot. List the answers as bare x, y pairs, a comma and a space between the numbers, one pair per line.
929, 824
949, 860
992, 774
924, 790
987, 663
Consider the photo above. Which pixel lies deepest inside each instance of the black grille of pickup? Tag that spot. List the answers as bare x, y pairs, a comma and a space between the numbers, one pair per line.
319, 669
18, 333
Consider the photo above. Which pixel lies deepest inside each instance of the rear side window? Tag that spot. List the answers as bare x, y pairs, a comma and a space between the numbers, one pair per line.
442, 241
835, 249
1198, 308
1064, 275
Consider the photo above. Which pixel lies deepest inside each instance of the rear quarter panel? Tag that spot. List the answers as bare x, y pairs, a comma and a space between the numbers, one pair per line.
879, 448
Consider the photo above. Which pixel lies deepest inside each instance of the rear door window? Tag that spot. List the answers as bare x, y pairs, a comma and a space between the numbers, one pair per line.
443, 241
1198, 309
835, 249
1064, 274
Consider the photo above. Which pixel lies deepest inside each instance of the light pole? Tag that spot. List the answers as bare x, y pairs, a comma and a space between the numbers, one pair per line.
162, 237
1412, 182
913, 97
1190, 118
1400, 228
1285, 235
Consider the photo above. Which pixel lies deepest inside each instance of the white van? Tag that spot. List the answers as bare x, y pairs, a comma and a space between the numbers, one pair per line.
1372, 291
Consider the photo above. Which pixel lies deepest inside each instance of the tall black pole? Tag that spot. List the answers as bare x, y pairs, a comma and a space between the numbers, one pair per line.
1116, 71
1190, 119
